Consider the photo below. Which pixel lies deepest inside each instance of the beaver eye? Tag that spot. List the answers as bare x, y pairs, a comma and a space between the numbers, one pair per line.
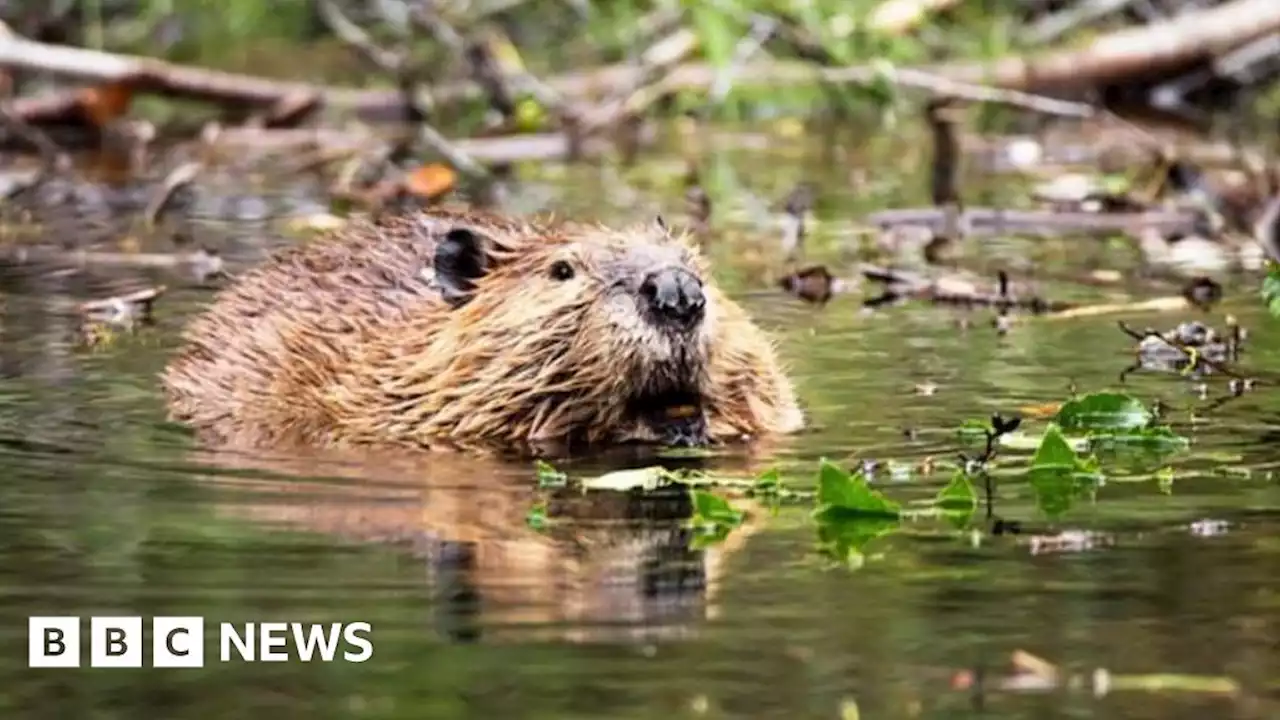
561, 270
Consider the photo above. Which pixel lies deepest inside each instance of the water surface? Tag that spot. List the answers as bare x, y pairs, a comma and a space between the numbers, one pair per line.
108, 509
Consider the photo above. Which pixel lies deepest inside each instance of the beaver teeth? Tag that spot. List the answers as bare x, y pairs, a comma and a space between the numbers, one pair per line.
676, 418
680, 412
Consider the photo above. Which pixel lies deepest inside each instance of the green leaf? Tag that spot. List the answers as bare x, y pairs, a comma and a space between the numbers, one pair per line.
1157, 436
1054, 450
1138, 449
844, 534
1102, 412
1059, 476
536, 518
958, 500
548, 476
714, 509
1271, 289
769, 482
1055, 487
838, 488
849, 514
713, 518
768, 487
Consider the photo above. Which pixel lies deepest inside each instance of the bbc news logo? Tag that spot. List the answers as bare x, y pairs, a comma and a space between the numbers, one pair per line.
178, 642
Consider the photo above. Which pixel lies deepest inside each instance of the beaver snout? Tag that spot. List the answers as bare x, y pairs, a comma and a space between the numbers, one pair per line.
675, 296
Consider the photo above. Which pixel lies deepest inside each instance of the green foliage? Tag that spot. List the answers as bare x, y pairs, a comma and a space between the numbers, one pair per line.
1058, 475
713, 517
1271, 290
958, 501
536, 518
1102, 412
848, 514
1110, 419
548, 476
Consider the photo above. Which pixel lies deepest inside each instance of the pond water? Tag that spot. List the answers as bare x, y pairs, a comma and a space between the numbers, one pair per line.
106, 509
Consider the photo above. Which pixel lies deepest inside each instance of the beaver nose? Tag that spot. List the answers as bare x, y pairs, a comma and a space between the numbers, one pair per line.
674, 294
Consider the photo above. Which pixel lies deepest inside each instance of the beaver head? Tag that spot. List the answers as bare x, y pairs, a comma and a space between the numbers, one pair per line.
463, 329
591, 311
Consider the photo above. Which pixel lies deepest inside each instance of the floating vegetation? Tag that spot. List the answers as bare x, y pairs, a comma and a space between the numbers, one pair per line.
848, 513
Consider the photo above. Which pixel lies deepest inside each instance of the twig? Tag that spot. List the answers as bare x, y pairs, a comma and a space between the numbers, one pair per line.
53, 159
179, 178
355, 36
939, 85
654, 63
941, 290
455, 155
1192, 354
762, 28
980, 466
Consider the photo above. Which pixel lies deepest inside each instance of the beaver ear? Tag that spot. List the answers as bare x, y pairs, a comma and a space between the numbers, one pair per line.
460, 260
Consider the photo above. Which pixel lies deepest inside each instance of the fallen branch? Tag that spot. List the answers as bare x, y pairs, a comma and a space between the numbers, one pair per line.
653, 66
1043, 223
491, 150
356, 38
1130, 54
141, 74
201, 263
1123, 56
1126, 55
117, 308
951, 290
941, 85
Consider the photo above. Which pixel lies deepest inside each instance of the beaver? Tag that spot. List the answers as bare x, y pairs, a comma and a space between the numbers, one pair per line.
466, 330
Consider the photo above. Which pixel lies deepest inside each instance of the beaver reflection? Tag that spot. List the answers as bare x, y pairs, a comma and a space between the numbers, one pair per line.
642, 582
609, 566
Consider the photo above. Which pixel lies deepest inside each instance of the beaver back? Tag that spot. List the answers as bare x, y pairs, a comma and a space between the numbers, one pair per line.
299, 314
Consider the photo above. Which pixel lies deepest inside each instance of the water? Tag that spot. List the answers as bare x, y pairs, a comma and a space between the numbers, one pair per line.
107, 509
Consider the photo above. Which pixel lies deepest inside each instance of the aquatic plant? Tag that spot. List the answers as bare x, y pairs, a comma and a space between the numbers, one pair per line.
848, 512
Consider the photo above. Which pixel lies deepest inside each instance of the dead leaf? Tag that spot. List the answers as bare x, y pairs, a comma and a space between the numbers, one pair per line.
1044, 410
105, 103
430, 181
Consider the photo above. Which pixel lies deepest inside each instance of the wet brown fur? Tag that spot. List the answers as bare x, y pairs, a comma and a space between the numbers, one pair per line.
345, 341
